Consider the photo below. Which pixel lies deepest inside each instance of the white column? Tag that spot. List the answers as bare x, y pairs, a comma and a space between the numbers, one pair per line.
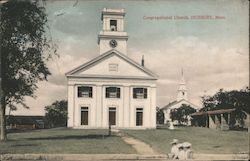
120, 109
99, 106
147, 110
70, 106
77, 108
126, 105
131, 109
92, 108
104, 109
153, 107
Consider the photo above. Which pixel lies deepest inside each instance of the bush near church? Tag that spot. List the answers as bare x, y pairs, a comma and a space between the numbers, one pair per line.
159, 116
182, 114
56, 114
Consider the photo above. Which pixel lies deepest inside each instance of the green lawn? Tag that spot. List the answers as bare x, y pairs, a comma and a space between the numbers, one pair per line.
65, 141
98, 142
203, 140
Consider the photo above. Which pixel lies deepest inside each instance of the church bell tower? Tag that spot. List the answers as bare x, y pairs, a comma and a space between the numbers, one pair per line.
113, 35
182, 91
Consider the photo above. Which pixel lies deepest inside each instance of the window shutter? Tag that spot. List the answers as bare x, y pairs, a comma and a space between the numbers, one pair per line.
118, 92
107, 93
134, 93
90, 92
145, 92
78, 92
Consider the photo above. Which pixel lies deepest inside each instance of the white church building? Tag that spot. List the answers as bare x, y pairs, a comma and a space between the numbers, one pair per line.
112, 88
182, 98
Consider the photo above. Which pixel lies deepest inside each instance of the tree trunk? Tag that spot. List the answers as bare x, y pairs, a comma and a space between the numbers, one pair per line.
3, 136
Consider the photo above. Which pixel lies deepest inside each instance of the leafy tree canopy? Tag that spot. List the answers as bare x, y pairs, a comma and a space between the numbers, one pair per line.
24, 49
159, 116
238, 99
56, 114
182, 113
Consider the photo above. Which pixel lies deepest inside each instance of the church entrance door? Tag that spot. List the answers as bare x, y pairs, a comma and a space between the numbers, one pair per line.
112, 115
139, 116
84, 115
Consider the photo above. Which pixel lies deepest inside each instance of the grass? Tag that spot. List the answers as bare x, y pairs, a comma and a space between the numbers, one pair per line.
98, 142
203, 140
64, 141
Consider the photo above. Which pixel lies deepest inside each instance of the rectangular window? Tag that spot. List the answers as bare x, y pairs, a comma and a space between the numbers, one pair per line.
85, 91
139, 116
112, 92
112, 116
113, 67
113, 25
84, 115
140, 93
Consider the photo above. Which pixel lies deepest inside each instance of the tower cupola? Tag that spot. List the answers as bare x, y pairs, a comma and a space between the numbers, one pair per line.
112, 35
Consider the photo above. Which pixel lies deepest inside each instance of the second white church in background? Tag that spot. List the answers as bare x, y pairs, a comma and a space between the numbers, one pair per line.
182, 98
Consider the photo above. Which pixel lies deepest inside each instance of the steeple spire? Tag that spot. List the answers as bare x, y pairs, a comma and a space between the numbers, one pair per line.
182, 91
182, 77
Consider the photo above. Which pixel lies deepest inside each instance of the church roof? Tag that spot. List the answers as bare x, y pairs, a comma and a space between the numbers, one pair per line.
170, 104
108, 54
176, 102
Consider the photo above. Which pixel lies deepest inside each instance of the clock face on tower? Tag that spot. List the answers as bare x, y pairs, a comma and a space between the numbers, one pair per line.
113, 43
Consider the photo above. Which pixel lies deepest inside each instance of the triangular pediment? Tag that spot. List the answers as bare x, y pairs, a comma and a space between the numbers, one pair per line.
112, 64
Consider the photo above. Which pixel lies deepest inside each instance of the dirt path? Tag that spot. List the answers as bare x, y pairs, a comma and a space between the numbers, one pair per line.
140, 146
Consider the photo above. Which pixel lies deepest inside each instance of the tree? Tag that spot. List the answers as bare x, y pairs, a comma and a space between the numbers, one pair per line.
237, 99
25, 48
159, 116
56, 114
182, 114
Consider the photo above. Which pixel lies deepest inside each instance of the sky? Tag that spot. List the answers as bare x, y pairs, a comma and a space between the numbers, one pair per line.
213, 52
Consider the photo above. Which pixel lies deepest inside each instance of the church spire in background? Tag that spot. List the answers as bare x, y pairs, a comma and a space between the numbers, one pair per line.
182, 91
182, 77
